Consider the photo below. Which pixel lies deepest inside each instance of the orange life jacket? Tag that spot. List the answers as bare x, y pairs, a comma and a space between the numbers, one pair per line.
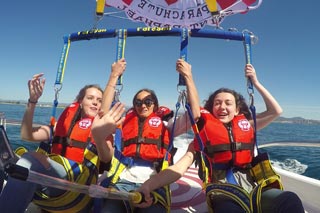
231, 145
149, 142
71, 135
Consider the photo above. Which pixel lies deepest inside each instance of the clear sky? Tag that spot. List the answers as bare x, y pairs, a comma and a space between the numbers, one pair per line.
286, 56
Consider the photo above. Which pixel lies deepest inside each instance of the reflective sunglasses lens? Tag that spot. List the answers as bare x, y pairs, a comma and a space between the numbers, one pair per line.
138, 103
148, 102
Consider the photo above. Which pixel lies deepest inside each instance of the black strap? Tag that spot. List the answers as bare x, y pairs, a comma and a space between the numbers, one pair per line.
136, 140
65, 142
233, 147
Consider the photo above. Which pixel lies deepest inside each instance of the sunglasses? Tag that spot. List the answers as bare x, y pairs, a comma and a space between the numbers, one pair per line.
148, 102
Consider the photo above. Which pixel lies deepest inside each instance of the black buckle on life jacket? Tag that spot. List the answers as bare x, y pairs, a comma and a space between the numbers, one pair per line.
141, 140
235, 146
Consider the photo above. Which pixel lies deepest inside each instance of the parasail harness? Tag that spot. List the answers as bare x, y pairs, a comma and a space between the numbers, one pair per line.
260, 170
119, 162
85, 173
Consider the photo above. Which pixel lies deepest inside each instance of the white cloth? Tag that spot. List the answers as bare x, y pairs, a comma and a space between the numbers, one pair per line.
137, 174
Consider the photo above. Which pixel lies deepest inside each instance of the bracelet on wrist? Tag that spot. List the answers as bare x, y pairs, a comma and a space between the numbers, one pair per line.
32, 102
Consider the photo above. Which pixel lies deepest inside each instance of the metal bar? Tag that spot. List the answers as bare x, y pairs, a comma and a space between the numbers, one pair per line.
156, 31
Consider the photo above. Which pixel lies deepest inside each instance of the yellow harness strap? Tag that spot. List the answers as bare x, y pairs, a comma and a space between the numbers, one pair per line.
161, 195
255, 194
20, 150
234, 192
262, 173
85, 173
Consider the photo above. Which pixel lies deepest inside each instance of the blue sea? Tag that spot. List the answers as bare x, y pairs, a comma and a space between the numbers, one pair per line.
301, 160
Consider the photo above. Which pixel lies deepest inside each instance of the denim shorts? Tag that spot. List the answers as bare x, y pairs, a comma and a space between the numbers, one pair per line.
112, 206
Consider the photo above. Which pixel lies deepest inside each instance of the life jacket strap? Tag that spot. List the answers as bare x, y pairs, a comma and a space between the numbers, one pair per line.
65, 142
137, 140
233, 147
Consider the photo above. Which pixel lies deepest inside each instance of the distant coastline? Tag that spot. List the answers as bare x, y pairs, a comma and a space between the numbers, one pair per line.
40, 104
296, 120
299, 120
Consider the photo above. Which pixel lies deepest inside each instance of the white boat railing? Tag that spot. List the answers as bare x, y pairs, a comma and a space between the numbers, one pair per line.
3, 120
308, 189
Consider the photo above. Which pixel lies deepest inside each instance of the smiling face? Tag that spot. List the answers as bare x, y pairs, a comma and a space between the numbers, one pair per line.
224, 107
91, 102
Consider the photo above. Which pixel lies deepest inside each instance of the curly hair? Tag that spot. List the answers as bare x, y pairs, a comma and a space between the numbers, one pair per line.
240, 102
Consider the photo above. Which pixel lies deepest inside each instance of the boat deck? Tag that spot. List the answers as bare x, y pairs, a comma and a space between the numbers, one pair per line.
187, 195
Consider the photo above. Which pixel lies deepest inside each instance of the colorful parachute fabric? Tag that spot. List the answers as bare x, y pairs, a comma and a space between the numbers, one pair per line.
191, 14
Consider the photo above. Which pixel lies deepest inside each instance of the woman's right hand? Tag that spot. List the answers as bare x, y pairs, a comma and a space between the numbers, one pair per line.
183, 67
147, 197
105, 124
250, 72
118, 68
36, 86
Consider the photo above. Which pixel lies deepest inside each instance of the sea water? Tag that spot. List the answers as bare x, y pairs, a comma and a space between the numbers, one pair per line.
301, 160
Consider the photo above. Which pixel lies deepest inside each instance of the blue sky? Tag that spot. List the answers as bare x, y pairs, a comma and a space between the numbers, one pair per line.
286, 56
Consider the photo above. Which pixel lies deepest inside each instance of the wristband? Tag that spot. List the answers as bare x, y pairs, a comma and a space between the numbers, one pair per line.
32, 102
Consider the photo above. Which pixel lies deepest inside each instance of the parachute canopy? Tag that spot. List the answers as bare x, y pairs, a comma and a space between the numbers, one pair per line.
191, 14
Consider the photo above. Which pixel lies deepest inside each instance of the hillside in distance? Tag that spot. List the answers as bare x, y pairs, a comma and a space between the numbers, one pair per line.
300, 120
296, 120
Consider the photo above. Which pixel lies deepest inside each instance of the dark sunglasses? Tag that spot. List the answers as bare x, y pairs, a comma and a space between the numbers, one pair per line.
148, 102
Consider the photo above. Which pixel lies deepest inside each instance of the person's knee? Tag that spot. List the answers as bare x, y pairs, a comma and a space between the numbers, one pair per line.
288, 202
34, 161
224, 204
278, 201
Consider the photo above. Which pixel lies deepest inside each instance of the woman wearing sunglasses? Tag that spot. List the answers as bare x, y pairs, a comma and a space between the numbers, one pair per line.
145, 137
